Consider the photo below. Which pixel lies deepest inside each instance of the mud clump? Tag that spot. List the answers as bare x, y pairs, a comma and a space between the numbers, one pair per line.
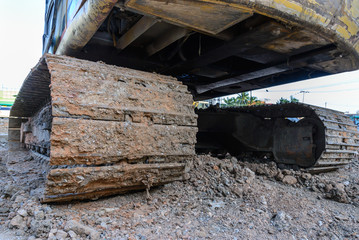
344, 189
223, 199
221, 177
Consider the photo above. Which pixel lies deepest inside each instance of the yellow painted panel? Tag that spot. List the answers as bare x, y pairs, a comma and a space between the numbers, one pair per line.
343, 32
313, 15
288, 7
356, 46
291, 5
352, 26
313, 2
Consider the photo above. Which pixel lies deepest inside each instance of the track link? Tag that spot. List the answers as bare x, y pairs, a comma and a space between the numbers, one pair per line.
341, 140
108, 129
336, 140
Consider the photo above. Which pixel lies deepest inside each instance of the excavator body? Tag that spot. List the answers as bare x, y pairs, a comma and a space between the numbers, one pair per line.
108, 108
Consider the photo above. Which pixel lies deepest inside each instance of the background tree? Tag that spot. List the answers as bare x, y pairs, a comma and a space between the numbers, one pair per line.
242, 99
293, 99
231, 102
284, 100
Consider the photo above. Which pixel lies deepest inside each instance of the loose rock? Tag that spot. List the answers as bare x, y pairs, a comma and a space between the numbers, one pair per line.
17, 222
61, 235
80, 229
288, 179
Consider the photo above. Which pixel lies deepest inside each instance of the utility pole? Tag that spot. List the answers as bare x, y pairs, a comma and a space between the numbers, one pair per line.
304, 92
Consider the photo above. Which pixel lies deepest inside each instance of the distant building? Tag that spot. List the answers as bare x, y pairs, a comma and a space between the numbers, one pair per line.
7, 98
355, 118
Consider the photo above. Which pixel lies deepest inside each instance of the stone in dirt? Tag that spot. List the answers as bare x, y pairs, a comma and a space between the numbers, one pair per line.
52, 233
17, 222
81, 229
39, 215
22, 212
306, 176
40, 228
61, 234
279, 176
72, 234
289, 180
4, 209
249, 175
279, 220
261, 209
338, 195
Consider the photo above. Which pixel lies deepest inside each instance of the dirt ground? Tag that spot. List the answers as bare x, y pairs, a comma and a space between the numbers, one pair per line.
224, 199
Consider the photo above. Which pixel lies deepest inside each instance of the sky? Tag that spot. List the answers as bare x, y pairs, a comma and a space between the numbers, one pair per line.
338, 91
22, 24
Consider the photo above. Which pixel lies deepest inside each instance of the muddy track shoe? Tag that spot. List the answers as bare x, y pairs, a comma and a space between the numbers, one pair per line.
311, 137
341, 139
100, 130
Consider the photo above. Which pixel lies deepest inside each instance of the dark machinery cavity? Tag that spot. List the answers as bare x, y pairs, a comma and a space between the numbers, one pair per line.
296, 134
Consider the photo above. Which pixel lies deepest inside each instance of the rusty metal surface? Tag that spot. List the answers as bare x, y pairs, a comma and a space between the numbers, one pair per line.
294, 145
341, 138
98, 91
137, 30
36, 131
296, 42
333, 20
212, 18
265, 129
113, 129
84, 25
307, 25
297, 62
77, 141
94, 182
33, 92
322, 138
168, 38
339, 19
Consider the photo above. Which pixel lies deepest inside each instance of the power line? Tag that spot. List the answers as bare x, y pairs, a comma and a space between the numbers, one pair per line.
340, 105
295, 90
342, 90
304, 92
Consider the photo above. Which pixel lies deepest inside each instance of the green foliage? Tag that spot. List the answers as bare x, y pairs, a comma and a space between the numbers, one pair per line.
242, 99
294, 100
284, 100
230, 102
253, 99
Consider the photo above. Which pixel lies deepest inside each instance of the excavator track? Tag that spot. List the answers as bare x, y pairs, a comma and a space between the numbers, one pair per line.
341, 140
100, 130
318, 139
